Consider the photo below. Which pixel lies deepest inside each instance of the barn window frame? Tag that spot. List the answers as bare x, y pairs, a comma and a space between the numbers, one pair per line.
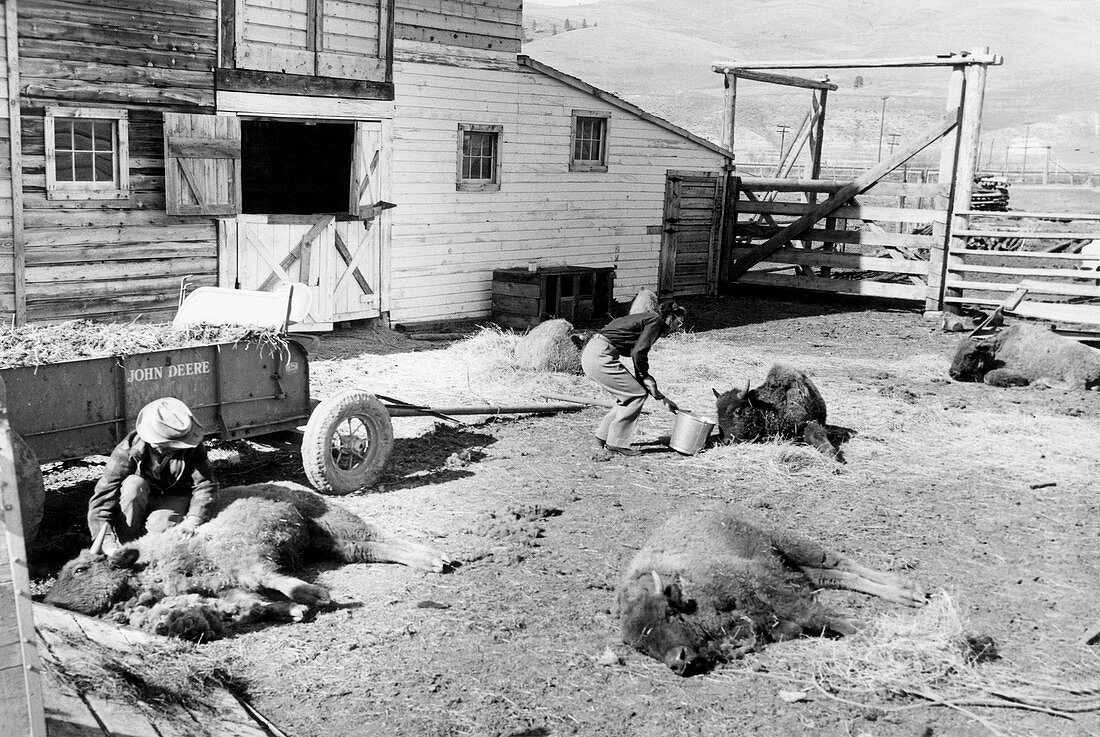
583, 122
118, 188
470, 132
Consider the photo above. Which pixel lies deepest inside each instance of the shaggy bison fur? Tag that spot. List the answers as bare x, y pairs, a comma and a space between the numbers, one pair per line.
711, 586
225, 571
786, 405
1024, 354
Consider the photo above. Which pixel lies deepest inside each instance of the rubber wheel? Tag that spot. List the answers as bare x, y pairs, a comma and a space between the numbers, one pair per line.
347, 441
32, 492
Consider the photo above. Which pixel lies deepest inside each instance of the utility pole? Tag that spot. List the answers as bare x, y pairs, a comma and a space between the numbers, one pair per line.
881, 126
782, 138
1027, 140
893, 141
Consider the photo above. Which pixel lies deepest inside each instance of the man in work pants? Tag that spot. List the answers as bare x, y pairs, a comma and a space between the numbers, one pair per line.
633, 335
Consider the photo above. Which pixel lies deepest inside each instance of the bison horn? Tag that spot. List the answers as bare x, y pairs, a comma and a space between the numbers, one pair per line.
97, 544
746, 387
658, 588
715, 392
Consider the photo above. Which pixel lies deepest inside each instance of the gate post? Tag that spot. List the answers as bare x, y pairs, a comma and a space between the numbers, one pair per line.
968, 85
949, 153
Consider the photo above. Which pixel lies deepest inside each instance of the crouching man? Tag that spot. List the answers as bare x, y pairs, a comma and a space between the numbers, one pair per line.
157, 477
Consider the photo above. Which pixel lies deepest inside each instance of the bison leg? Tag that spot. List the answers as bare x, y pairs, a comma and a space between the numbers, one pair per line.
249, 607
1005, 378
292, 588
830, 570
390, 550
817, 436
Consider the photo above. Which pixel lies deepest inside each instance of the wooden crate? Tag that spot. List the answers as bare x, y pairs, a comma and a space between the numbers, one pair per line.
580, 294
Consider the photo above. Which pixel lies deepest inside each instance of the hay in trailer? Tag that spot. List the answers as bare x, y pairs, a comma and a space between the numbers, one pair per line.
35, 345
549, 346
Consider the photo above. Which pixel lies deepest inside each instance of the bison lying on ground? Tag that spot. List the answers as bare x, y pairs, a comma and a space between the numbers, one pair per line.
1027, 353
786, 405
711, 586
256, 532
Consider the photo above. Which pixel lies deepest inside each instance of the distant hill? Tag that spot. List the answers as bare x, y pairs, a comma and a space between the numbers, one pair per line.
658, 55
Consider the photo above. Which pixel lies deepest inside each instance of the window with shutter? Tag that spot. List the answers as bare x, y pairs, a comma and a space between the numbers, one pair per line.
202, 164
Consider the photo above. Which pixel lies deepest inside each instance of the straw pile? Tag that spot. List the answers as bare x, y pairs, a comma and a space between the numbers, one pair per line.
35, 345
549, 347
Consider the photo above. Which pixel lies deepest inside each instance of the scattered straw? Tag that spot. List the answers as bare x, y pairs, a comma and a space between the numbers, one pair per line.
152, 676
930, 655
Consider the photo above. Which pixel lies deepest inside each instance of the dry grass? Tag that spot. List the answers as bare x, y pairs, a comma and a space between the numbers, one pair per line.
35, 345
548, 347
152, 676
933, 656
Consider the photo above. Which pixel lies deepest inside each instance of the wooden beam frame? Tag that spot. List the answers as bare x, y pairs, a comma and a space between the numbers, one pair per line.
783, 79
940, 60
864, 181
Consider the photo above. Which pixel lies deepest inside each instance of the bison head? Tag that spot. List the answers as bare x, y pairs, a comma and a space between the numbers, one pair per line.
738, 417
580, 337
973, 360
653, 623
93, 582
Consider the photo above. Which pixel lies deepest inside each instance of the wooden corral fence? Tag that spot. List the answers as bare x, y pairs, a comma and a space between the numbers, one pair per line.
994, 253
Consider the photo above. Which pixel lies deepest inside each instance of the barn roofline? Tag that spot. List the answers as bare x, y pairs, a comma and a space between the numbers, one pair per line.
580, 84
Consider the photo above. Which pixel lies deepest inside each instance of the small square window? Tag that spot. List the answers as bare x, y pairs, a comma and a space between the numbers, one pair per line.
87, 154
588, 141
478, 158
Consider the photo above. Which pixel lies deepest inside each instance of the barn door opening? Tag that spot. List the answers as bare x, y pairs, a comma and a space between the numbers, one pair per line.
689, 239
311, 213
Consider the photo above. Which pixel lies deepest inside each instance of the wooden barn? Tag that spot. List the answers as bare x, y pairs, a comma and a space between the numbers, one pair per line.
391, 154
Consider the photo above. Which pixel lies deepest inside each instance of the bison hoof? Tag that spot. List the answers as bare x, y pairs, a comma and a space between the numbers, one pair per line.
310, 594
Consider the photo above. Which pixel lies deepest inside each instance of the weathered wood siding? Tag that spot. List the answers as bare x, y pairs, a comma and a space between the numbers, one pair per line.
445, 243
113, 258
495, 25
7, 265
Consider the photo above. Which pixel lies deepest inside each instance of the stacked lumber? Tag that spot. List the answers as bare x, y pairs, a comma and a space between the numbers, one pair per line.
990, 193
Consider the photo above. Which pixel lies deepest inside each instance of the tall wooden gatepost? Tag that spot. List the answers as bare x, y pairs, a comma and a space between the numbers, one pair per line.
21, 709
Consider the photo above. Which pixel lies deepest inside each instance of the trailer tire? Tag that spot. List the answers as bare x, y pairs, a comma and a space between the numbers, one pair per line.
28, 482
347, 442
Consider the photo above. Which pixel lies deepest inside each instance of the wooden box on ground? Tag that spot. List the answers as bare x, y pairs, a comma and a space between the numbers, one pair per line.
523, 298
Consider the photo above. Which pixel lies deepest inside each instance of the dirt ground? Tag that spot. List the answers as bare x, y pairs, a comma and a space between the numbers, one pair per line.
983, 493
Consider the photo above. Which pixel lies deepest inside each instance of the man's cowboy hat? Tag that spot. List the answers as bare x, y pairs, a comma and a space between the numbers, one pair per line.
168, 422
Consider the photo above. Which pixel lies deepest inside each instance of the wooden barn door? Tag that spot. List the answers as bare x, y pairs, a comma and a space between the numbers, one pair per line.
689, 241
337, 256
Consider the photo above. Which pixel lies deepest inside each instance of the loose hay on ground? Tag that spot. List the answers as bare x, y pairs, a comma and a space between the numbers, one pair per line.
549, 347
931, 655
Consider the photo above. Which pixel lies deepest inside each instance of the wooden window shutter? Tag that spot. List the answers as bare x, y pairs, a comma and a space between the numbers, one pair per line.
366, 170
202, 164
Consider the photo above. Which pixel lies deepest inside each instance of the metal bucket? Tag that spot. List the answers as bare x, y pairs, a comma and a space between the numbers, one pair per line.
689, 433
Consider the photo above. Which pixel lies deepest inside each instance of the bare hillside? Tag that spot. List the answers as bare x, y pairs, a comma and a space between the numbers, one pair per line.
1047, 90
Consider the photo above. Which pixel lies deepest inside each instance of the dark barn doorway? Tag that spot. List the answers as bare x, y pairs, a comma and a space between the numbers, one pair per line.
295, 168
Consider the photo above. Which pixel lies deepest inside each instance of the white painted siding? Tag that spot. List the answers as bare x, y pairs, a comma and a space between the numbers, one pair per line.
445, 243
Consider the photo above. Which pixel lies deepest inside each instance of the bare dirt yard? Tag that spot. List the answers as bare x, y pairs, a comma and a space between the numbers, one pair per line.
987, 497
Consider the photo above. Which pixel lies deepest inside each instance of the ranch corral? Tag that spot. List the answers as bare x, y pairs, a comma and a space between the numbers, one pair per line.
980, 493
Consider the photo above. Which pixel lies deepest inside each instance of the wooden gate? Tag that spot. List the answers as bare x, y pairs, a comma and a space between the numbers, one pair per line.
689, 241
337, 259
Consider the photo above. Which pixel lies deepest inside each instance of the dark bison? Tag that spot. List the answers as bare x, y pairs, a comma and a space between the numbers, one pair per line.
1027, 353
227, 568
711, 586
786, 405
